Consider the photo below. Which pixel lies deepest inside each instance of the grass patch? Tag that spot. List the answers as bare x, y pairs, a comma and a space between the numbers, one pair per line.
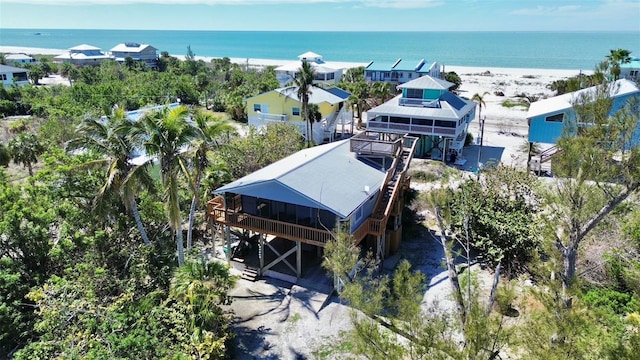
513, 103
334, 347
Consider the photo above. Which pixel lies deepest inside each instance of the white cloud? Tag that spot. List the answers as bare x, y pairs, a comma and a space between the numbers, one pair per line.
548, 10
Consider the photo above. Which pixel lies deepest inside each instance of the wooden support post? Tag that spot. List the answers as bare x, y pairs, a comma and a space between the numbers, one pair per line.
298, 259
227, 236
261, 240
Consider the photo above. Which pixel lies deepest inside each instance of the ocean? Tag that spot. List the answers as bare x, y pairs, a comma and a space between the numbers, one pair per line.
538, 50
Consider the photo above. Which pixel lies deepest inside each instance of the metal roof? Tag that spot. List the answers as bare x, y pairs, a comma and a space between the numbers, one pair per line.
328, 177
451, 107
343, 94
4, 69
563, 102
18, 57
127, 47
84, 47
318, 95
427, 82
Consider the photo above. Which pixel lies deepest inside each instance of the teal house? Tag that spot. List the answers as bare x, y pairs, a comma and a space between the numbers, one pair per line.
547, 118
427, 110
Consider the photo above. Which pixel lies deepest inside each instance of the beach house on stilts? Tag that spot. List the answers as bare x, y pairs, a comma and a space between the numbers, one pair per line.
295, 205
428, 110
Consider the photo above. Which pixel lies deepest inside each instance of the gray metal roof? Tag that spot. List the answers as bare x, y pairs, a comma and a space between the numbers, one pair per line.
11, 69
328, 177
427, 82
318, 95
451, 107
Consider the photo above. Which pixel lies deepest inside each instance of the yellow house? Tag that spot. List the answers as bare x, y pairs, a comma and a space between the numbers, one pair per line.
283, 104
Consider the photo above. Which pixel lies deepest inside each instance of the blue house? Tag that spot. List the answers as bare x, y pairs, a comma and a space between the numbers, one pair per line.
356, 184
631, 70
547, 117
400, 71
428, 110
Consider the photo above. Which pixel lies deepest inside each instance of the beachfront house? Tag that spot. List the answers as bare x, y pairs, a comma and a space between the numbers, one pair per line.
400, 71
11, 75
631, 70
294, 207
428, 110
327, 74
547, 118
82, 55
19, 59
283, 105
143, 53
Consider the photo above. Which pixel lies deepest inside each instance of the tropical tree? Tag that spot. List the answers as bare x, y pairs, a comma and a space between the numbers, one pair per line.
381, 92
5, 156
360, 93
304, 83
165, 135
209, 131
25, 149
109, 136
481, 103
617, 57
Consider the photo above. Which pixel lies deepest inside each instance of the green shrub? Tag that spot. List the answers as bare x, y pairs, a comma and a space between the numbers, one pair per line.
468, 140
613, 301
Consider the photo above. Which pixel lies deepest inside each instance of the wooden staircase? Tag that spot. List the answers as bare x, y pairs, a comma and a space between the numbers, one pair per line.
392, 183
250, 274
541, 163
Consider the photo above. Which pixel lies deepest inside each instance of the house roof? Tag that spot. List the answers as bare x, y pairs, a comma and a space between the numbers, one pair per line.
633, 64
309, 55
400, 65
427, 82
84, 47
563, 102
297, 179
131, 47
294, 66
449, 107
4, 69
18, 57
318, 95
82, 56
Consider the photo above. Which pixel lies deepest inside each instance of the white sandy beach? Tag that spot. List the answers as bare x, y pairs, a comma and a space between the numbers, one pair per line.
505, 127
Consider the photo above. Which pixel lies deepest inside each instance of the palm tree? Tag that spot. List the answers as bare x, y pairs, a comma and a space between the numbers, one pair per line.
381, 91
480, 100
360, 92
304, 82
209, 130
617, 57
25, 149
109, 137
165, 135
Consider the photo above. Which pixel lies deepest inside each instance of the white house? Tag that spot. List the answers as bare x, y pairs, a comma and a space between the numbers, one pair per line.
327, 73
13, 75
139, 52
83, 55
19, 59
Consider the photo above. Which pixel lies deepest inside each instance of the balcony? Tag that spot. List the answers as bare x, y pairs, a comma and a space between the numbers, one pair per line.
375, 143
273, 117
419, 103
412, 129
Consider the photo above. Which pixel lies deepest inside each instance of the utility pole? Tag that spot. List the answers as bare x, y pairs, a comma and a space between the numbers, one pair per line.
481, 141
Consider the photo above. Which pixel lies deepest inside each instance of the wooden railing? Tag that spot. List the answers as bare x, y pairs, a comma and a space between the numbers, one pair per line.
363, 143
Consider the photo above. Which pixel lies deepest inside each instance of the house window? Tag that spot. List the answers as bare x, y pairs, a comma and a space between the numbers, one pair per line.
295, 111
256, 107
446, 124
410, 75
3, 76
555, 118
414, 93
423, 122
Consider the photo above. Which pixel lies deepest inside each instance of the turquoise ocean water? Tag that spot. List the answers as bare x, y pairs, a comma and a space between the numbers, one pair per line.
551, 50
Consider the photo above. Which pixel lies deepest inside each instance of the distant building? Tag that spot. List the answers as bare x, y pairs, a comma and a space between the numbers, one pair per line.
82, 55
401, 71
631, 70
327, 73
13, 75
283, 105
138, 52
19, 59
428, 110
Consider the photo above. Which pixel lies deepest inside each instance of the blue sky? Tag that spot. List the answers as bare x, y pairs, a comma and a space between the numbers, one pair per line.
318, 15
